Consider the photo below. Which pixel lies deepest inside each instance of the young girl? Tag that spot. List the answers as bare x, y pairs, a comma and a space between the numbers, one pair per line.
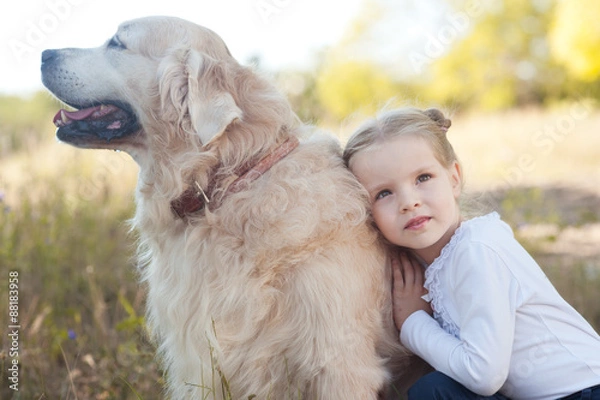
499, 328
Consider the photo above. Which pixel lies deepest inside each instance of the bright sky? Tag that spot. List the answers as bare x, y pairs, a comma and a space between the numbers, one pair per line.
283, 33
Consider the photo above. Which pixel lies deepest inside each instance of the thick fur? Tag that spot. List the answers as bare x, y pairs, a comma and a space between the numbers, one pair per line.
280, 291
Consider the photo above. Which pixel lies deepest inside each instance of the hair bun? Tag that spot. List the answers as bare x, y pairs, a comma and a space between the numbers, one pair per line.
437, 116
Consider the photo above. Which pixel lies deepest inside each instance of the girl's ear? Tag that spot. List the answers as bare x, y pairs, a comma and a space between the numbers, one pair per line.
456, 179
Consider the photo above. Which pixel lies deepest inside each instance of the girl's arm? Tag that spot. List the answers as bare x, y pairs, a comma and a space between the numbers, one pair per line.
484, 293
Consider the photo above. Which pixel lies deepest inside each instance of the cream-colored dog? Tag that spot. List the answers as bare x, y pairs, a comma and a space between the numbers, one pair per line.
264, 275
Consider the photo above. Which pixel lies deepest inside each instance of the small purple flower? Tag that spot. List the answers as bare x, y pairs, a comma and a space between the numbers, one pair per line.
1, 196
72, 335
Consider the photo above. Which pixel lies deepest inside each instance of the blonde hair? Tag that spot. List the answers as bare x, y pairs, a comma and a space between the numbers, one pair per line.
430, 124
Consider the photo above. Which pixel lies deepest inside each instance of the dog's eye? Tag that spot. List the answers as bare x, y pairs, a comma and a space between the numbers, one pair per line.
115, 43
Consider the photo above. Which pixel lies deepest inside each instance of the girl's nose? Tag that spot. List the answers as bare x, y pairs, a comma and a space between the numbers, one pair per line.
408, 201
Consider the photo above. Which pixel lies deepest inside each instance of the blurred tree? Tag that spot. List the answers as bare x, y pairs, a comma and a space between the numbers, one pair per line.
503, 61
486, 54
465, 53
348, 80
575, 37
348, 86
300, 88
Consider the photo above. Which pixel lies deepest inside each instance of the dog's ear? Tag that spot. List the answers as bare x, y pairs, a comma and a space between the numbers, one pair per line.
211, 108
189, 85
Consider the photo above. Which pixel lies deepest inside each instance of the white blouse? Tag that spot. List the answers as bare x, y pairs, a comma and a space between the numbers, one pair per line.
499, 324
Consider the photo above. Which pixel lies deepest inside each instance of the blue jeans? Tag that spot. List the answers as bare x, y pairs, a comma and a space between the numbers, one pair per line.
437, 386
592, 393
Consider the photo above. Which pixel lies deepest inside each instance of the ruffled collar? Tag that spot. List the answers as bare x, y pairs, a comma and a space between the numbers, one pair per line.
435, 293
458, 235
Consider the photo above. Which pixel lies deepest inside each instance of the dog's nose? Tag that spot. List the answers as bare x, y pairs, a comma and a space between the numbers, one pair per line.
48, 55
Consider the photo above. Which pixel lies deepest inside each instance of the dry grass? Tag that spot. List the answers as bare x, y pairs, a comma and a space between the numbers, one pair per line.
83, 174
530, 147
62, 227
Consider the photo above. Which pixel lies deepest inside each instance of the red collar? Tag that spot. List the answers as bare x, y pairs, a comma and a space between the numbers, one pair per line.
195, 199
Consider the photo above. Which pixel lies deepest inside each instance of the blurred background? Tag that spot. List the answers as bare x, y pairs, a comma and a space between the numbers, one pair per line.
520, 80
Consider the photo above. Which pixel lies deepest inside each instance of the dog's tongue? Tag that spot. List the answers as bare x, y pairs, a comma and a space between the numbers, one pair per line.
64, 117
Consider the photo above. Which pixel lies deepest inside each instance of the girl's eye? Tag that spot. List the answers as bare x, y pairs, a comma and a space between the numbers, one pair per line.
382, 194
423, 178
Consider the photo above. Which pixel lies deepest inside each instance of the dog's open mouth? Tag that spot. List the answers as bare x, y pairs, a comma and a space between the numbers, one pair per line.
103, 123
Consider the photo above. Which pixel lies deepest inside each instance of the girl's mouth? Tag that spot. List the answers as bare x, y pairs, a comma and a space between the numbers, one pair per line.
417, 223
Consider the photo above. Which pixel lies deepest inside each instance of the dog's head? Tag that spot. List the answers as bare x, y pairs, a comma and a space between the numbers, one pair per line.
158, 83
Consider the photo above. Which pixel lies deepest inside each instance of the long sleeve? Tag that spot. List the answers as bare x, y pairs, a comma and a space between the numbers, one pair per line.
484, 294
499, 323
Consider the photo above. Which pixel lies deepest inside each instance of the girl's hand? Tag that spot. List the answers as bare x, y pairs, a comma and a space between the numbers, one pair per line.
408, 279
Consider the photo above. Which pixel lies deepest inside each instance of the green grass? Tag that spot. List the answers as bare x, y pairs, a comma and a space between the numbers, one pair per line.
80, 307
63, 228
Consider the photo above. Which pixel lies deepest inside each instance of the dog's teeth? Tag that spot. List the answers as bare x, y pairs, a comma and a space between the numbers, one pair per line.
102, 107
64, 117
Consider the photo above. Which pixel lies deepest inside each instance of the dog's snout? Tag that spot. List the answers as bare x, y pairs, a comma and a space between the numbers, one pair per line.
48, 55
47, 68
52, 73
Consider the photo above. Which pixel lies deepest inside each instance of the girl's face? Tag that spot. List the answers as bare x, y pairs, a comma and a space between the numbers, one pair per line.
413, 196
